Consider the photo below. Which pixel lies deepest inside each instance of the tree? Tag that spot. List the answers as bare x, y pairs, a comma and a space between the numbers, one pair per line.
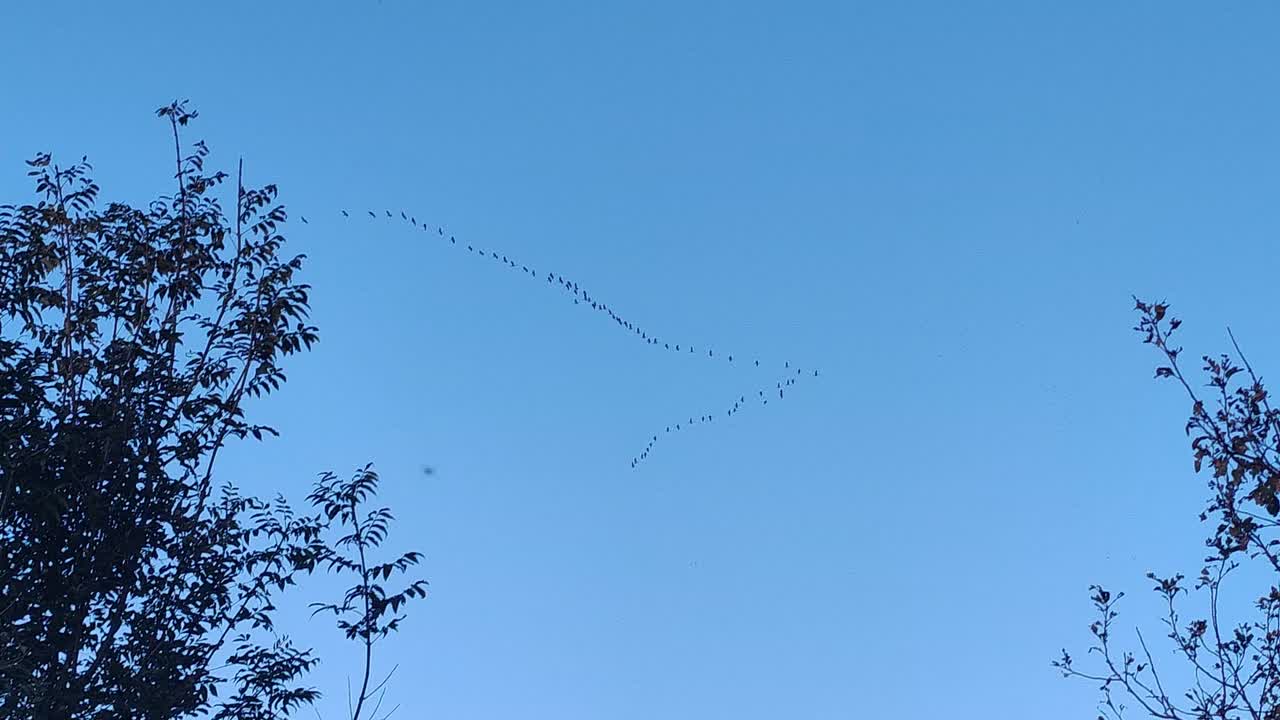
1226, 669
131, 584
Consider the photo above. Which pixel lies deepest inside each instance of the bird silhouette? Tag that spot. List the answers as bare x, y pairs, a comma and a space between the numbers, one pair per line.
344, 214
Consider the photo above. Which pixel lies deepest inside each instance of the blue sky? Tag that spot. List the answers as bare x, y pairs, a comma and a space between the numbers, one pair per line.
944, 206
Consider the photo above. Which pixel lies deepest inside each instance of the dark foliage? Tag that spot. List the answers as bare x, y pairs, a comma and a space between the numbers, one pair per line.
367, 612
1227, 669
130, 338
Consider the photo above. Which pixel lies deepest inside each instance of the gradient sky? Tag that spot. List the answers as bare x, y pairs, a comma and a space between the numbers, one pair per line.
944, 206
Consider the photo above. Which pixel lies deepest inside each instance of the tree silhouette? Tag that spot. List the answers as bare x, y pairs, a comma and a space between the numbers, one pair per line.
1225, 669
131, 583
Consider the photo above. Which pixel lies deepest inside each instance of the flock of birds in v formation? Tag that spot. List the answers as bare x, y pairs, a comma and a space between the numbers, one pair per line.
788, 376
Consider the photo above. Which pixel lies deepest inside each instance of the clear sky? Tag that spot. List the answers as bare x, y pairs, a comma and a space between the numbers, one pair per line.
944, 206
